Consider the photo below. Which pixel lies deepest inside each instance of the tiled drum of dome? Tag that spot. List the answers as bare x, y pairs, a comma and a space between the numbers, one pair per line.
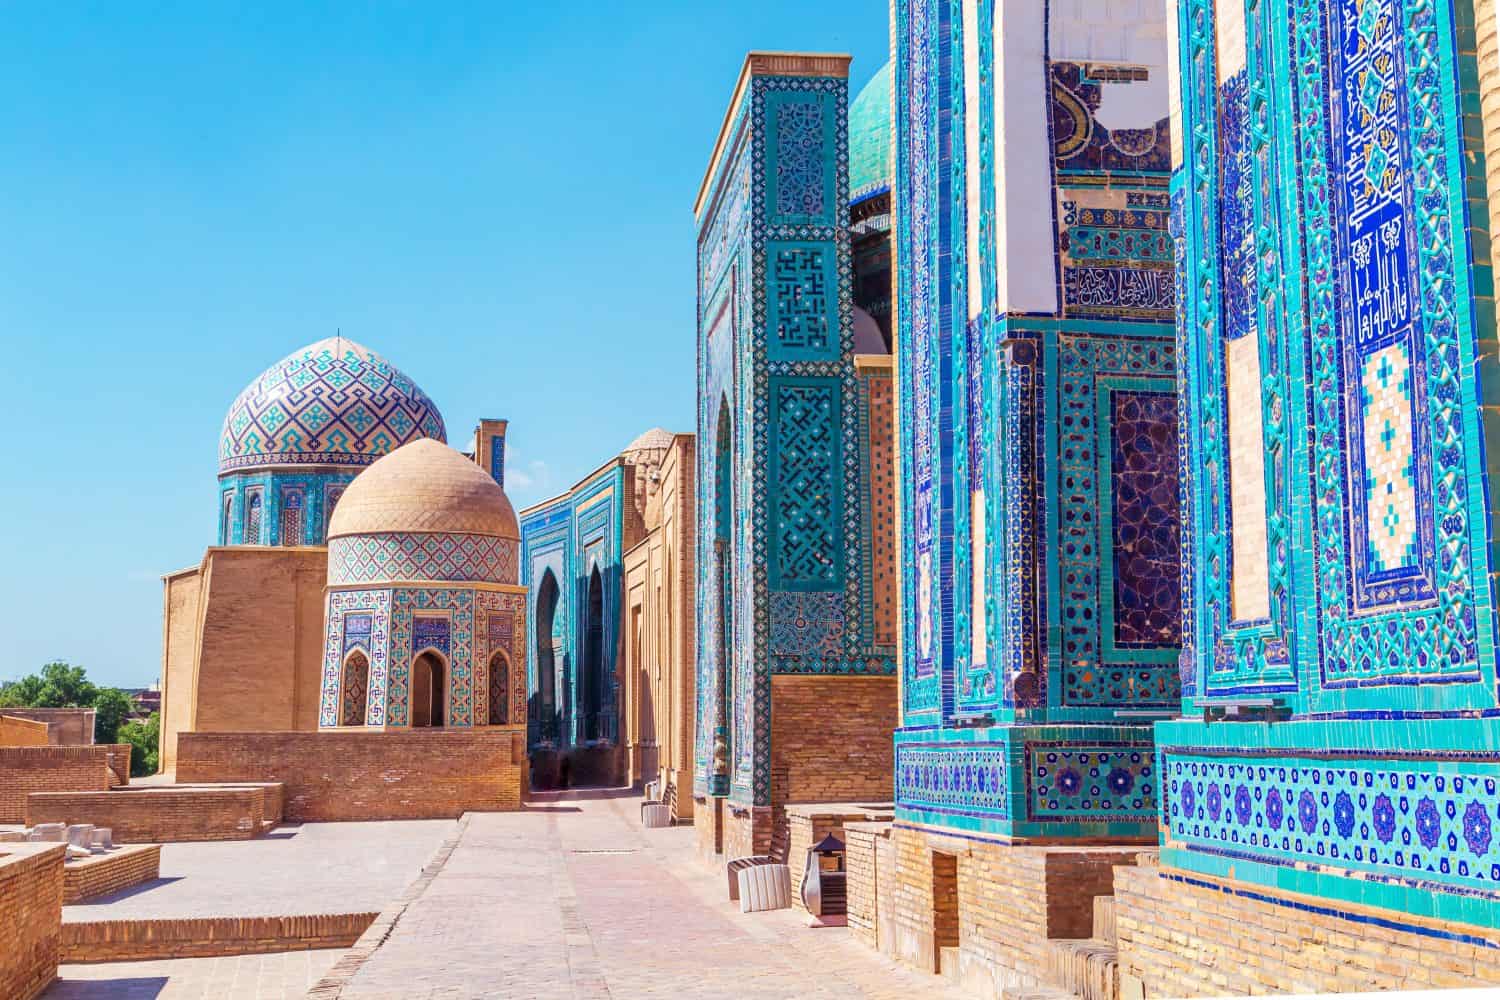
333, 403
437, 556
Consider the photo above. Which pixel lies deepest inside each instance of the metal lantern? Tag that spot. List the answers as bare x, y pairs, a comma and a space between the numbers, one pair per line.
823, 881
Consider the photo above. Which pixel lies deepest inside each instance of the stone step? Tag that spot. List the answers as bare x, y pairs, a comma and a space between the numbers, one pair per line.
1087, 967
1104, 919
1037, 993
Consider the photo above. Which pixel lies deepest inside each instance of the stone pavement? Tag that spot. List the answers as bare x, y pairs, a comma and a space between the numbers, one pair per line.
296, 869
573, 899
284, 976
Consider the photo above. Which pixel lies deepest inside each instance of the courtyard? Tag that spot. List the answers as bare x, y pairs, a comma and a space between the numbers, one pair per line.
570, 897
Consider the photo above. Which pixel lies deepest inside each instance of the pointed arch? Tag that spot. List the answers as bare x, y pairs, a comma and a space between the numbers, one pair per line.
546, 657
354, 688
499, 674
593, 659
429, 689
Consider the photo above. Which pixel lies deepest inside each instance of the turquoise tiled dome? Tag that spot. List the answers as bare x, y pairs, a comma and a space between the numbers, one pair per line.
870, 138
334, 402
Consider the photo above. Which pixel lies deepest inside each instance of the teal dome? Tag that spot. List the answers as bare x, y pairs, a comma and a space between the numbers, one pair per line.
870, 138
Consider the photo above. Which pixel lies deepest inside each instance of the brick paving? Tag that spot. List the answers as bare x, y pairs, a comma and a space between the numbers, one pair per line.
573, 899
283, 976
296, 869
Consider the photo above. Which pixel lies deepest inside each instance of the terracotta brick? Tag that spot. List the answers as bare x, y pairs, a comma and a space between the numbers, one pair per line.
351, 775
24, 770
106, 873
31, 894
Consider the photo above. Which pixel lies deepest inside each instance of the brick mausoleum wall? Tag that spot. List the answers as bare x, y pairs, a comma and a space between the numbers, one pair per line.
708, 816
809, 823
1010, 901
24, 770
747, 830
243, 643
106, 873
861, 852
69, 727
830, 741
350, 775
18, 732
153, 814
31, 892
1219, 937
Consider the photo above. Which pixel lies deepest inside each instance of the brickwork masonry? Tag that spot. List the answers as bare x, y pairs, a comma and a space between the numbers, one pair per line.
102, 874
1188, 935
24, 770
31, 893
165, 813
346, 775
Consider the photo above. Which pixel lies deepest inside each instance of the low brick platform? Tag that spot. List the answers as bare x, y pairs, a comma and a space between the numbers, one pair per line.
88, 878
155, 814
810, 822
24, 770
131, 940
352, 775
31, 878
1183, 934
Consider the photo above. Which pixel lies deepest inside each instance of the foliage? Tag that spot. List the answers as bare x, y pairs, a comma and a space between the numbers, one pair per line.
62, 685
58, 685
144, 737
111, 707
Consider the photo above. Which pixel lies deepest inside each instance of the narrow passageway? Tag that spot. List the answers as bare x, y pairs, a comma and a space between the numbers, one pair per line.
573, 898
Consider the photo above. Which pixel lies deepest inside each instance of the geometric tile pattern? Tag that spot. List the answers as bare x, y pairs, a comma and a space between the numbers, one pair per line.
807, 624
809, 533
956, 779
334, 402
1147, 552
1412, 820
1390, 475
418, 556
1086, 783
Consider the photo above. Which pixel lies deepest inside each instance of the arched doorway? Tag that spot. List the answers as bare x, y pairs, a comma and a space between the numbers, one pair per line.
593, 658
429, 688
499, 689
722, 556
354, 689
546, 658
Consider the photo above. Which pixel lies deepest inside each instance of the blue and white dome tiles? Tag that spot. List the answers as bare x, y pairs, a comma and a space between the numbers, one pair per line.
335, 402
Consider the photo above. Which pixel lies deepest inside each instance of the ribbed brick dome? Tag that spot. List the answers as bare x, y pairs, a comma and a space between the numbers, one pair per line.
424, 486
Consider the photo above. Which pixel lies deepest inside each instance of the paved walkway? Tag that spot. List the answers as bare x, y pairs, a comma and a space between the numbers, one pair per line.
284, 976
295, 869
572, 898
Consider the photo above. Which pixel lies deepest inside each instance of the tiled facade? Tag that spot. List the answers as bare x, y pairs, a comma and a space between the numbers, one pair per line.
794, 551
1038, 420
1356, 628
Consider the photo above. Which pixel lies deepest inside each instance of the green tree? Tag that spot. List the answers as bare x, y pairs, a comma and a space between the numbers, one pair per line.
111, 706
58, 685
144, 738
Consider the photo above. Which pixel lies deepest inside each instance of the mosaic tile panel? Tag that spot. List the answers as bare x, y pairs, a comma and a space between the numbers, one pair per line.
334, 402
954, 779
501, 627
1416, 819
1072, 782
801, 303
807, 625
437, 556
407, 629
1391, 526
1081, 143
808, 472
1144, 515
371, 611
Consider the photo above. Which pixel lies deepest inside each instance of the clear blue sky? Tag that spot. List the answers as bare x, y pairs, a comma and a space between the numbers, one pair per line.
496, 196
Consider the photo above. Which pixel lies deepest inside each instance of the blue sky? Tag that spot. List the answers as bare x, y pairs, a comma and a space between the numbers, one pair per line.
497, 197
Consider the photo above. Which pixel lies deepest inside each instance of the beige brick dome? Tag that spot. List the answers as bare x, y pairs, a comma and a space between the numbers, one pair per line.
424, 486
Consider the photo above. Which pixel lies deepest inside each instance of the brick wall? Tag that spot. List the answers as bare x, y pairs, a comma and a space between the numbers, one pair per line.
18, 732
31, 891
708, 821
809, 823
153, 814
1011, 900
1220, 937
65, 726
747, 830
861, 842
344, 775
204, 937
105, 873
24, 770
830, 741
243, 643
118, 755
